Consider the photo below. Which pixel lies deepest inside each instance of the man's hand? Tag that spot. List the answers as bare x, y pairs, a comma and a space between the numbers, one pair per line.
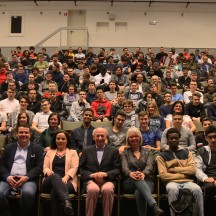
102, 175
21, 181
210, 179
171, 170
11, 181
100, 117
196, 119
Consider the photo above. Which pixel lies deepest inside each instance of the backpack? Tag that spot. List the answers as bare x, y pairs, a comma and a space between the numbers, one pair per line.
183, 206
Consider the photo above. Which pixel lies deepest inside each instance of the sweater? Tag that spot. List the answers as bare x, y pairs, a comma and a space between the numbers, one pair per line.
182, 163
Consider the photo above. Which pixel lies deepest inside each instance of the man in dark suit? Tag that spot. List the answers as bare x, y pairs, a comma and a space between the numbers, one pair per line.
99, 167
20, 166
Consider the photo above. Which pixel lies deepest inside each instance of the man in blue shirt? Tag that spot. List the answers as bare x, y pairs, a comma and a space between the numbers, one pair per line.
151, 138
175, 96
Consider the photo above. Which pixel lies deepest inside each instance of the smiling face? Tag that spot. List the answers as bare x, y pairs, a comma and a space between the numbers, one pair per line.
23, 136
23, 119
100, 137
87, 117
128, 108
61, 141
206, 124
144, 121
151, 109
134, 140
119, 121
23, 103
133, 87
53, 121
177, 107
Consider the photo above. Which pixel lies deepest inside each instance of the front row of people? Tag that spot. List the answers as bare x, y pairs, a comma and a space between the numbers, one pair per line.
99, 164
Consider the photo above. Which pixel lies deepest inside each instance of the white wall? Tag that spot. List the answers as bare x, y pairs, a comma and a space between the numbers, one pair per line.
194, 29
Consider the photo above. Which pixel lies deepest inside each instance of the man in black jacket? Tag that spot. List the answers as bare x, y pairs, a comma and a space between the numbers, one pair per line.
195, 109
21, 164
81, 137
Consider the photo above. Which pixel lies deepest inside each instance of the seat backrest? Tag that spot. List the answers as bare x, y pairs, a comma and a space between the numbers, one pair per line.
69, 126
107, 124
2, 141
199, 127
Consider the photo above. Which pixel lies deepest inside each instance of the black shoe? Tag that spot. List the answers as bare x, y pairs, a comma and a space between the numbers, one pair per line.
68, 209
156, 210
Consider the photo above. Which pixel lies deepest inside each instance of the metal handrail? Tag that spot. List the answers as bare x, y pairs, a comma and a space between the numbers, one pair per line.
59, 30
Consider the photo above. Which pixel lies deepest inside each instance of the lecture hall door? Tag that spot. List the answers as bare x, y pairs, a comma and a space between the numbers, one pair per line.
77, 19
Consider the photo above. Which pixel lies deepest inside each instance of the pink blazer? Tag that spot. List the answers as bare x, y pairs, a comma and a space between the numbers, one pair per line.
71, 164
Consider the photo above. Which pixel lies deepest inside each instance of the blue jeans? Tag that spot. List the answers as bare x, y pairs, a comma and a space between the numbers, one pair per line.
28, 191
173, 190
142, 190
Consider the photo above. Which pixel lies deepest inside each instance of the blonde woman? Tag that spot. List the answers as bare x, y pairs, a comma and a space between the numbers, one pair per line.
137, 167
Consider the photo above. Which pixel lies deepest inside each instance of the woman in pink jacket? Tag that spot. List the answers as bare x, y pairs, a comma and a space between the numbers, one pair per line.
60, 171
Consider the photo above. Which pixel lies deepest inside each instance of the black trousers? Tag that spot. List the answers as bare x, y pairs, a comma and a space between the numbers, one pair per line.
209, 202
59, 191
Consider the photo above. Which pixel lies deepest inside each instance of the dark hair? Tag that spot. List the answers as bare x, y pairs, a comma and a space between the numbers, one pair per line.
205, 119
177, 113
23, 96
74, 86
35, 69
88, 109
178, 102
113, 81
44, 100
143, 113
99, 88
173, 84
120, 112
91, 83
54, 114
23, 125
210, 129
53, 143
19, 117
171, 131
146, 94
31, 48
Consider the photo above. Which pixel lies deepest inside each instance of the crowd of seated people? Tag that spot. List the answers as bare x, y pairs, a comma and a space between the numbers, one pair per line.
155, 102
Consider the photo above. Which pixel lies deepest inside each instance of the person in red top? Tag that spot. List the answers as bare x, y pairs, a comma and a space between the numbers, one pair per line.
186, 54
3, 72
19, 52
101, 106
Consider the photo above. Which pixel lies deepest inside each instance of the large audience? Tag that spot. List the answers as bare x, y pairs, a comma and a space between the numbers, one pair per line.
157, 103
